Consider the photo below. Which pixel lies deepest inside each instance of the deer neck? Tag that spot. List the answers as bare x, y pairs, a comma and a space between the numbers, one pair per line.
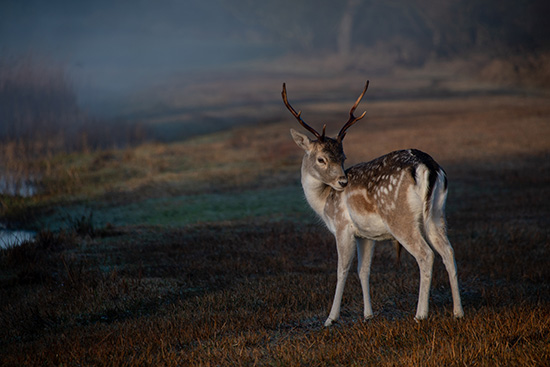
316, 192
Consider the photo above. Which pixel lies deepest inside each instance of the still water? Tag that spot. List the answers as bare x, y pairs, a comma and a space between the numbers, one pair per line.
11, 186
10, 238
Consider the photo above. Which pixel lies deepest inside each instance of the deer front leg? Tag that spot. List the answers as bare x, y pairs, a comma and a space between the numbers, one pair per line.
365, 251
346, 253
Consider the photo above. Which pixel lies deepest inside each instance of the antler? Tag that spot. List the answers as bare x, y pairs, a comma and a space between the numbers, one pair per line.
352, 119
321, 137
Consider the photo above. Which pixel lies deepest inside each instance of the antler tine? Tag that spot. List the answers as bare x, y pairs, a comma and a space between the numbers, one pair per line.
299, 118
352, 119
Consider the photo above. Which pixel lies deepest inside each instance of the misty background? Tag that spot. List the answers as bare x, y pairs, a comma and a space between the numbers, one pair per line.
85, 72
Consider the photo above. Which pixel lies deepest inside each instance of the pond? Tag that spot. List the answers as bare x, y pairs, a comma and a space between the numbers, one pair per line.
10, 238
15, 186
12, 185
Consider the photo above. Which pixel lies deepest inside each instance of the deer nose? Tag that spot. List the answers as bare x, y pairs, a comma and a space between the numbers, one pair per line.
343, 181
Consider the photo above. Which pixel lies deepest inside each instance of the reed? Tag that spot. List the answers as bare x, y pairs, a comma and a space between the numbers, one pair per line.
41, 119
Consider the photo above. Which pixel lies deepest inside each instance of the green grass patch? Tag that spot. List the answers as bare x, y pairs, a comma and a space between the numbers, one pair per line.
276, 204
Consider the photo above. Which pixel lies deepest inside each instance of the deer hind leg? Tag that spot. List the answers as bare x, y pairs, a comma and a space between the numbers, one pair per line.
346, 254
435, 230
365, 251
416, 245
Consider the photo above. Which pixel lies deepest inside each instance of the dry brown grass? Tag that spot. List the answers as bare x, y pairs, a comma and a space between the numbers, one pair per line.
183, 297
256, 293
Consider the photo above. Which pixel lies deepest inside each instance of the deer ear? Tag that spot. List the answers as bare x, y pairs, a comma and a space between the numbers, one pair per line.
302, 140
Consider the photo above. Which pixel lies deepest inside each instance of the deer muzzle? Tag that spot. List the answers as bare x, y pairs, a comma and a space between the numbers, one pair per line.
343, 181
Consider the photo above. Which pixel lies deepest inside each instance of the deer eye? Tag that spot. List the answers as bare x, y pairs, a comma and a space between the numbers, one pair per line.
321, 160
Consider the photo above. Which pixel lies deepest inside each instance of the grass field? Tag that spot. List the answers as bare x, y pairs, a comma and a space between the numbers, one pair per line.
204, 252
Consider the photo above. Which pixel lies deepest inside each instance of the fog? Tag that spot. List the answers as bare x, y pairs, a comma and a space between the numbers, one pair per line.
113, 51
110, 49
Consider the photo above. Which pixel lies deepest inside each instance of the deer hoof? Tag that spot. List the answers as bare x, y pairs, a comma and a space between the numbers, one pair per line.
419, 319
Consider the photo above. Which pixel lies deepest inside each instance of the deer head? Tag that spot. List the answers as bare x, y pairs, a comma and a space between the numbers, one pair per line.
324, 158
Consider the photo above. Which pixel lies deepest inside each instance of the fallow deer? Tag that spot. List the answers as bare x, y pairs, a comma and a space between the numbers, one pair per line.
399, 196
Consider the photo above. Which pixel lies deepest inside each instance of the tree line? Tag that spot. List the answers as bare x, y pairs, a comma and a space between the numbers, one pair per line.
429, 27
